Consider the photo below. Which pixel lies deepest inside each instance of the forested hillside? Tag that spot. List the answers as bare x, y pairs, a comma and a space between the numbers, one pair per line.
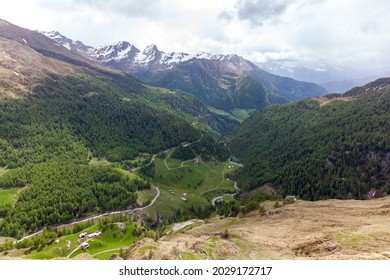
58, 192
332, 147
58, 111
215, 86
69, 114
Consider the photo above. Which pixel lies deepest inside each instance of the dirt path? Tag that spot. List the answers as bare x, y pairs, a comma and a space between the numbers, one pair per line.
71, 253
106, 251
180, 226
183, 162
181, 165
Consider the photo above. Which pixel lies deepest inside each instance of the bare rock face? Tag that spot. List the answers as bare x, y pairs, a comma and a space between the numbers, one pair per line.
330, 247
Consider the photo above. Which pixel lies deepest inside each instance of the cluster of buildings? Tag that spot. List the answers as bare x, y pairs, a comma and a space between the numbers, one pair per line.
183, 195
83, 235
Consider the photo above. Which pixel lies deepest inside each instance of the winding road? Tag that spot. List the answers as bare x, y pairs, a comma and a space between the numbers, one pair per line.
145, 207
184, 162
235, 185
130, 211
235, 163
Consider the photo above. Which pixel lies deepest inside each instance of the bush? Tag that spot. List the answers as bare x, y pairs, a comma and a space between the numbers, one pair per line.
261, 210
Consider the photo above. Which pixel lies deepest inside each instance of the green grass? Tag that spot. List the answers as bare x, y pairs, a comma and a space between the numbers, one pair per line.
8, 196
224, 114
351, 239
224, 188
242, 114
97, 161
132, 175
111, 238
146, 249
107, 255
236, 114
193, 179
227, 198
192, 256
145, 196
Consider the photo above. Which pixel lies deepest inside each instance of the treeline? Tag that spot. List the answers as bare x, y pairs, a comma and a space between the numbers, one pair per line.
24, 143
111, 125
188, 107
243, 205
205, 147
67, 115
339, 150
58, 192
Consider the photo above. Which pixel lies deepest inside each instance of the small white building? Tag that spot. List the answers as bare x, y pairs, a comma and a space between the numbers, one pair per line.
291, 197
94, 235
84, 245
83, 235
184, 194
184, 199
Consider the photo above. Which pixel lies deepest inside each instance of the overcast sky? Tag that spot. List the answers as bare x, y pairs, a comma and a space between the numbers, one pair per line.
353, 33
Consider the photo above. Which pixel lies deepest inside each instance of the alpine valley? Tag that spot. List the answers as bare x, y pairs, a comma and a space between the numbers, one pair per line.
116, 153
224, 82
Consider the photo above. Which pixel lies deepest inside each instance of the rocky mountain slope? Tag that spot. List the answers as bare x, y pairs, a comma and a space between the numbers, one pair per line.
328, 230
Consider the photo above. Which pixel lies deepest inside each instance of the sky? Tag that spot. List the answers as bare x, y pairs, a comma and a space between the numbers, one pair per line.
342, 33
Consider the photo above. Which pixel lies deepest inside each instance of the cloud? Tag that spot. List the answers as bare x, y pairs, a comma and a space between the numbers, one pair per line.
112, 7
350, 33
127, 8
264, 57
258, 11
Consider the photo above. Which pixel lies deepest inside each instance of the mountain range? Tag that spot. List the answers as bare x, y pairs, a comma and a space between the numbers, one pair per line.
224, 82
333, 79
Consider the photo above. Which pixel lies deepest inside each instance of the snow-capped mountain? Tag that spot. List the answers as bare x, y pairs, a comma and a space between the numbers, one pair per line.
74, 46
128, 58
216, 80
132, 58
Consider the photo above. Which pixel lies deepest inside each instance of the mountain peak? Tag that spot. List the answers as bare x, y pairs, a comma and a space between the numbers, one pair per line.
150, 49
116, 51
382, 84
52, 34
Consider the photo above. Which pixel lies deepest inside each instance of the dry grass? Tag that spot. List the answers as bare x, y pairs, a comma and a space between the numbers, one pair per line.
326, 100
330, 229
21, 68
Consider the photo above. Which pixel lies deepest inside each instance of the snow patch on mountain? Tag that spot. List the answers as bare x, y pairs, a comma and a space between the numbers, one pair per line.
126, 57
125, 52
